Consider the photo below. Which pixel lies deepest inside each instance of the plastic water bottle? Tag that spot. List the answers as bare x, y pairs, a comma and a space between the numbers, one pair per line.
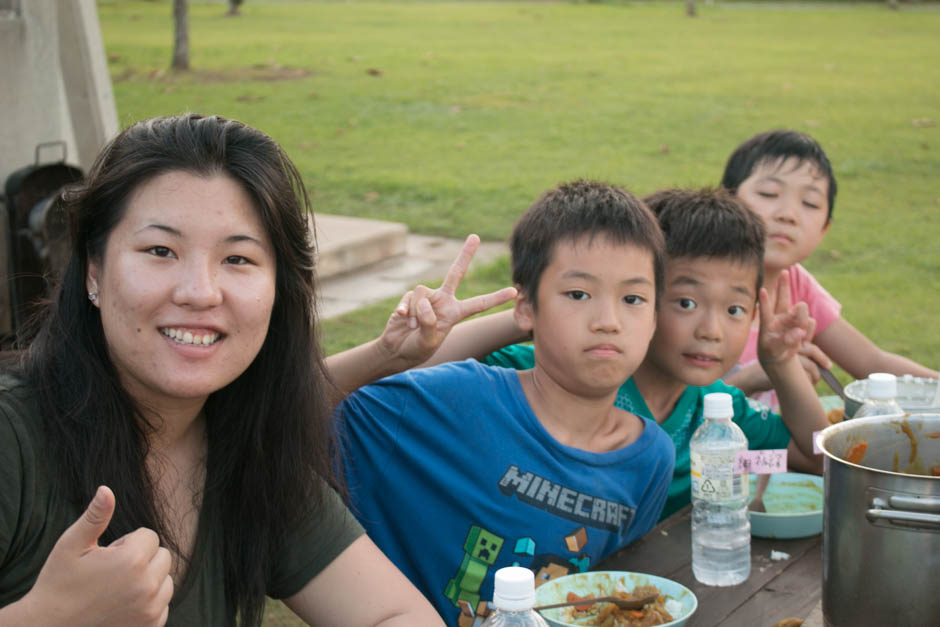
721, 531
881, 391
514, 598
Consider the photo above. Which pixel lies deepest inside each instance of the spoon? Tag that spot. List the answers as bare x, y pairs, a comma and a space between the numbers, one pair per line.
757, 505
624, 604
833, 383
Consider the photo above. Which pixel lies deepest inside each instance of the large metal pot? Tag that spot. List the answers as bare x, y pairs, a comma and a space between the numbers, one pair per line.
881, 523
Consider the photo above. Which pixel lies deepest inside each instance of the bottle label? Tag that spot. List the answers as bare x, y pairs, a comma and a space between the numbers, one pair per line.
713, 477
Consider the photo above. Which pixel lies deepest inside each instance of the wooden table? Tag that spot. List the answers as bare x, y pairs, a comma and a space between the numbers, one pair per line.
776, 589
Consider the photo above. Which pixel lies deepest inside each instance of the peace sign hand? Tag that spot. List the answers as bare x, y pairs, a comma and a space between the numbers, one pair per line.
784, 329
424, 317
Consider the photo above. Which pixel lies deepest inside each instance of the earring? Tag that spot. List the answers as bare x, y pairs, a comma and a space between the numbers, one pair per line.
93, 297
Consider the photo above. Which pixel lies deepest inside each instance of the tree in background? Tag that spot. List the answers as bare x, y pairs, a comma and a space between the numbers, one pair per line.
690, 8
180, 35
233, 7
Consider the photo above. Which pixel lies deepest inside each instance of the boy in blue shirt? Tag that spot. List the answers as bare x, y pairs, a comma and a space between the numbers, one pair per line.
459, 470
714, 253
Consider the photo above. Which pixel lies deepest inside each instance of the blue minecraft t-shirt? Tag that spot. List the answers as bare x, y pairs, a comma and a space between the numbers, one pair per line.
454, 477
763, 428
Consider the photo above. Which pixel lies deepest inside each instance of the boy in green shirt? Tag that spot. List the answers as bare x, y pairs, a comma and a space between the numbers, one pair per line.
714, 269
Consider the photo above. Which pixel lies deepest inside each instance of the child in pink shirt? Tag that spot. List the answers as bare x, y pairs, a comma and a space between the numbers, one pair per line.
785, 177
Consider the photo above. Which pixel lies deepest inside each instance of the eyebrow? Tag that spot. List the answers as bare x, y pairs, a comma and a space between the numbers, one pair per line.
176, 233
812, 187
687, 280
581, 274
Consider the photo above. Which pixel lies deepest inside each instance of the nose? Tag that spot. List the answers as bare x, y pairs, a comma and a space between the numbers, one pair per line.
709, 326
198, 284
605, 318
785, 209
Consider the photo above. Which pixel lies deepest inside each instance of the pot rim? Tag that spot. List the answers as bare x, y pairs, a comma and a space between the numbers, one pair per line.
848, 425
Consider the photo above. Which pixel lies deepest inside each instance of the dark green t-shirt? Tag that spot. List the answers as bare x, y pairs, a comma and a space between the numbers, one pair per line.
33, 514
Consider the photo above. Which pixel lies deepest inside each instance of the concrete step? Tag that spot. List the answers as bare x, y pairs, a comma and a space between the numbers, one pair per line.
364, 261
346, 244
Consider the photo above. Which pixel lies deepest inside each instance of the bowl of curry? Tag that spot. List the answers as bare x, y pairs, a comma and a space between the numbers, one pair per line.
673, 606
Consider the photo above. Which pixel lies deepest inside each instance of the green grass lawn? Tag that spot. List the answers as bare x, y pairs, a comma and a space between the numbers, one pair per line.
453, 116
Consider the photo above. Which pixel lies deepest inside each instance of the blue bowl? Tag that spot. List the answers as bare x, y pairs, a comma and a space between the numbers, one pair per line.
794, 503
603, 582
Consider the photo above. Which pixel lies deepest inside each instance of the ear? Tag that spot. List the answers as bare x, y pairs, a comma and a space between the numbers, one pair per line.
523, 312
91, 278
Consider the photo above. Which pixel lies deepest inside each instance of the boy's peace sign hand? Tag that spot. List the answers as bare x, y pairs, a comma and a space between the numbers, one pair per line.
424, 317
125, 583
783, 329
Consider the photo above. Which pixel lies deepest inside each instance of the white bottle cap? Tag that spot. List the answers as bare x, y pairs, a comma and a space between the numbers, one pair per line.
718, 405
514, 589
882, 385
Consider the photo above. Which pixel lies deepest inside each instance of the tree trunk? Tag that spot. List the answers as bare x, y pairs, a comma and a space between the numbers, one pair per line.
690, 8
233, 7
180, 35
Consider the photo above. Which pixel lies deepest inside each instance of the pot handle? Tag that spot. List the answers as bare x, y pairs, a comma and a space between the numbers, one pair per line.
880, 512
915, 503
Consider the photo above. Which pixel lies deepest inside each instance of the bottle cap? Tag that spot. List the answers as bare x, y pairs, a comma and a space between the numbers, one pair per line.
718, 405
514, 588
882, 385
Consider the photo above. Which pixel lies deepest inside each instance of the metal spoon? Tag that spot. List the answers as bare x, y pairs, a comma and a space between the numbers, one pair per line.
833, 383
849, 405
757, 505
624, 604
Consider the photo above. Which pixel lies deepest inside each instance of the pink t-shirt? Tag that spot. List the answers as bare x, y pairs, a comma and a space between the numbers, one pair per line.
822, 307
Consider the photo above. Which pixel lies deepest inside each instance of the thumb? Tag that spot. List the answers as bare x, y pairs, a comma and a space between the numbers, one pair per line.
84, 532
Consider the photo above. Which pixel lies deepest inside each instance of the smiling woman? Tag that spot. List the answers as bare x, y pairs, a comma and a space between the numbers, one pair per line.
173, 401
201, 315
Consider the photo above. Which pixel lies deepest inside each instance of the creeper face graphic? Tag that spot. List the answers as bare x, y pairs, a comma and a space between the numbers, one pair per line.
480, 550
483, 545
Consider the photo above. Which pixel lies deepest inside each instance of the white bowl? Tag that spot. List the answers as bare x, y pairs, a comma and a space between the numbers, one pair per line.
604, 582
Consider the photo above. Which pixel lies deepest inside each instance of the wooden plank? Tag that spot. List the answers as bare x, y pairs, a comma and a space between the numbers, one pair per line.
666, 549
794, 592
815, 618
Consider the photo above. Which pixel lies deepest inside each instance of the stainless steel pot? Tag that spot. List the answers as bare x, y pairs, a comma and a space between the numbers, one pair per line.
881, 523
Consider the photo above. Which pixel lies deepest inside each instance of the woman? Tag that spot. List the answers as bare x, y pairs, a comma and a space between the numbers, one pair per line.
178, 366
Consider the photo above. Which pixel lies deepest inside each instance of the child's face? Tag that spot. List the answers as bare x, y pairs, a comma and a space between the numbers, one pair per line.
704, 318
792, 199
595, 315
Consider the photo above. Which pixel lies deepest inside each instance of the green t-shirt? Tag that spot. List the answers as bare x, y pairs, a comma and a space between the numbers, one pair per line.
33, 515
764, 429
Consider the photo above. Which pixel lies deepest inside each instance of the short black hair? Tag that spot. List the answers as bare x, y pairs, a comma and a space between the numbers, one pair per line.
773, 146
581, 209
709, 223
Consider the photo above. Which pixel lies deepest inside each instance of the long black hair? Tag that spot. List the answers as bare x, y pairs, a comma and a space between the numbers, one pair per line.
269, 431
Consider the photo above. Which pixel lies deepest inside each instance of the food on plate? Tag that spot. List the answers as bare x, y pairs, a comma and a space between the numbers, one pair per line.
836, 414
935, 471
934, 435
856, 452
789, 622
609, 615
